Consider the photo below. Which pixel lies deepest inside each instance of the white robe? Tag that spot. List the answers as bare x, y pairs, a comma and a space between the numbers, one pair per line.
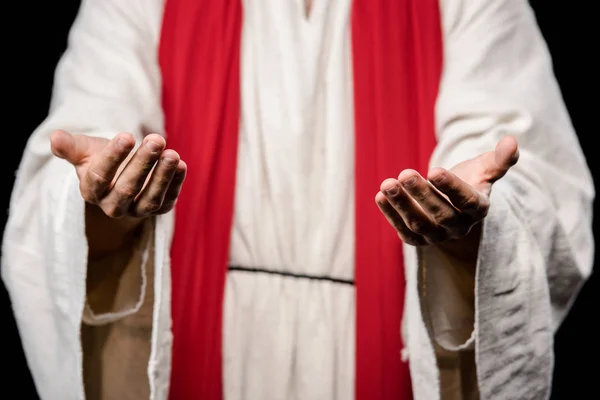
294, 338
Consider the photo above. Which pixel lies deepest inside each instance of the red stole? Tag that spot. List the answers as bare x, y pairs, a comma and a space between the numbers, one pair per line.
397, 60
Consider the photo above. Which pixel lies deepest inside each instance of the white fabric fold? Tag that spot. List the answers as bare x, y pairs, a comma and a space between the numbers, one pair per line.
106, 82
537, 245
536, 249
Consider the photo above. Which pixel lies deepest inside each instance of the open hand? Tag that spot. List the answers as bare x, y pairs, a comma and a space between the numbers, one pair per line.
123, 184
445, 208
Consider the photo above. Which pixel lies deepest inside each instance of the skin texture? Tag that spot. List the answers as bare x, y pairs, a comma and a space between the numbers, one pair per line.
121, 187
447, 208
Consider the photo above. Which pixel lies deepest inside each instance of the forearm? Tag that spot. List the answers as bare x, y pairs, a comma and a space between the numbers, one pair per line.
104, 275
107, 236
116, 262
464, 250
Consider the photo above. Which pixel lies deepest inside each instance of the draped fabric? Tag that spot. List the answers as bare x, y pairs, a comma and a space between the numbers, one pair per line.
397, 50
397, 62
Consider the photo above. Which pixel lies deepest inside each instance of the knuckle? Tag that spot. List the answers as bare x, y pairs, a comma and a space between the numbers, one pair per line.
162, 181
113, 157
113, 211
146, 163
88, 197
125, 191
420, 194
484, 207
416, 226
397, 225
95, 179
408, 240
148, 206
167, 206
444, 217
452, 185
471, 203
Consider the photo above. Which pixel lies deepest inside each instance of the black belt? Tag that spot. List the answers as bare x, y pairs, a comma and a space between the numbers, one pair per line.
292, 275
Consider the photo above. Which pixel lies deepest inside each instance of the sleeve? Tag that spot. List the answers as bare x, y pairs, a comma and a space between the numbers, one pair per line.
537, 245
107, 81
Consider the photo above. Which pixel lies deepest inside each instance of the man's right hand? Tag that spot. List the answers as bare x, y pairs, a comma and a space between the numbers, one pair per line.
121, 187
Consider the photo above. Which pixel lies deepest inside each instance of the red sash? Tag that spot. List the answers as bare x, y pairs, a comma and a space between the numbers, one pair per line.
397, 62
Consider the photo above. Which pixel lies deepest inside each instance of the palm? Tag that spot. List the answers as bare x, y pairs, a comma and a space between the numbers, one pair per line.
91, 147
444, 208
472, 172
482, 171
120, 180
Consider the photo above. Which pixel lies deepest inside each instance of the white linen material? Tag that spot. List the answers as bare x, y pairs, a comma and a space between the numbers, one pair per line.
106, 82
287, 337
537, 244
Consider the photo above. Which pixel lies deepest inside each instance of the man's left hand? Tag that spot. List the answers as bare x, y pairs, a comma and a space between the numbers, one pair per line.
447, 208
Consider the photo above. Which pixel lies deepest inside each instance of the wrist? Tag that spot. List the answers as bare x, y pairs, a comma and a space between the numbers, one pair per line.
107, 235
466, 249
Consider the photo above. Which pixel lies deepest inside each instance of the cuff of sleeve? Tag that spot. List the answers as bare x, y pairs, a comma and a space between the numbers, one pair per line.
448, 291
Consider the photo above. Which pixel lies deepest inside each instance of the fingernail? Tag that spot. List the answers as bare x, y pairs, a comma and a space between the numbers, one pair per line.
392, 191
169, 162
439, 179
153, 146
410, 181
123, 143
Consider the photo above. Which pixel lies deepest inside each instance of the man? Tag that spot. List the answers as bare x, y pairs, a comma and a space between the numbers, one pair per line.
272, 273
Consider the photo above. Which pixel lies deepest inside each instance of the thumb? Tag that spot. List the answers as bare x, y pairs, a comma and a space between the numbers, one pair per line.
504, 156
66, 146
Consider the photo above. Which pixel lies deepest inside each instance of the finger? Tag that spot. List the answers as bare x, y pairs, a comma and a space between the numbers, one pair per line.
153, 194
506, 154
462, 195
104, 166
437, 208
67, 146
174, 188
497, 163
412, 214
131, 180
390, 213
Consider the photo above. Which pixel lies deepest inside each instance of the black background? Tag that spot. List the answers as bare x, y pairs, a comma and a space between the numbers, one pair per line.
36, 34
